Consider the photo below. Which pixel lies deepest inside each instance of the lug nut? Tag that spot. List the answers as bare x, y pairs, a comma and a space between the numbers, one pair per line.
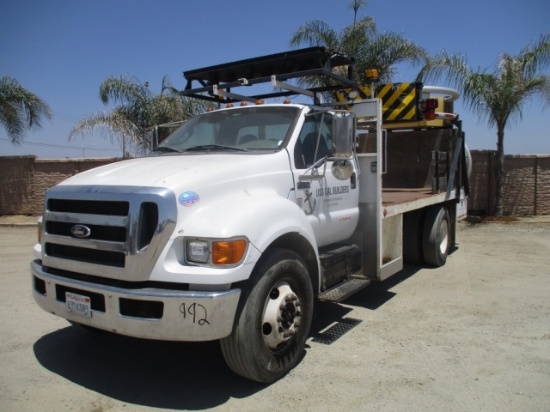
291, 298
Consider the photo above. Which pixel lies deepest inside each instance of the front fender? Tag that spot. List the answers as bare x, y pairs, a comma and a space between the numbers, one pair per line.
262, 218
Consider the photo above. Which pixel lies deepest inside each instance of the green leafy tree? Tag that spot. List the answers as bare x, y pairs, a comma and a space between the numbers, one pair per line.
20, 110
497, 96
360, 40
137, 112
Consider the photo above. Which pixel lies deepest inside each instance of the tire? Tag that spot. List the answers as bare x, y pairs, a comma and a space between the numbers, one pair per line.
412, 237
436, 237
269, 335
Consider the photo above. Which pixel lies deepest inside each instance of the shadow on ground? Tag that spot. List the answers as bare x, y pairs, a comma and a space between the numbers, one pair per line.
175, 375
157, 374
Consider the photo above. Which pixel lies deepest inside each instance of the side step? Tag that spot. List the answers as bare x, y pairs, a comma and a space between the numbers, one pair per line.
344, 290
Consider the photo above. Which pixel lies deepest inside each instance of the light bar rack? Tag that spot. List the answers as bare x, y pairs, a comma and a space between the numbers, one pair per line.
216, 82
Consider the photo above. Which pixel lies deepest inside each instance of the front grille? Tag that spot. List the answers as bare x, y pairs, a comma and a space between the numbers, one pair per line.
98, 232
79, 254
115, 283
115, 232
116, 208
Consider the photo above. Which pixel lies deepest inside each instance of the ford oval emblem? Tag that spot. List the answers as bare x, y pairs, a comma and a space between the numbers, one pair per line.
81, 231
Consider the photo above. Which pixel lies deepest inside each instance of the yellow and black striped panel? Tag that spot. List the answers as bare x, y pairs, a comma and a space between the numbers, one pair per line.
399, 100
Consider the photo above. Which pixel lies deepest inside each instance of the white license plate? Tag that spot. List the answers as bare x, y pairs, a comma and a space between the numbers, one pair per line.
78, 304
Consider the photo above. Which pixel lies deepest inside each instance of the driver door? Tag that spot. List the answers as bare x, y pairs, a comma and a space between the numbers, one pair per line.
331, 204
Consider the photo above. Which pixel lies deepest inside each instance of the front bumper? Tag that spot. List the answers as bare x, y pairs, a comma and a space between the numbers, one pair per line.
148, 313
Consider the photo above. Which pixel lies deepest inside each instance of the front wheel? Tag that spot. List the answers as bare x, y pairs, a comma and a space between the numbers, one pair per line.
269, 336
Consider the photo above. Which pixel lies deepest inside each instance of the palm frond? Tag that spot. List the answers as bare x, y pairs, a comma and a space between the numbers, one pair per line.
20, 109
123, 90
315, 33
536, 56
385, 51
115, 123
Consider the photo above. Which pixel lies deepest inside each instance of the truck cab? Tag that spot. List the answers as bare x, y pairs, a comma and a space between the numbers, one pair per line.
245, 216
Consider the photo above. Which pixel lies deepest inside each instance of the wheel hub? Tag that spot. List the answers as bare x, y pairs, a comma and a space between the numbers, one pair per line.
282, 316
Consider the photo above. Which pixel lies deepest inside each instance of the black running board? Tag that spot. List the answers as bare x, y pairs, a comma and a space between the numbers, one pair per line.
344, 290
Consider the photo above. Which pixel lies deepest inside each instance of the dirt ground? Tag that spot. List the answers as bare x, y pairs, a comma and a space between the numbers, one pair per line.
473, 335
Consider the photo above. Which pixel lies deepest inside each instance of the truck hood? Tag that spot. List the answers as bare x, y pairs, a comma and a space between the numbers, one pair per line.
175, 171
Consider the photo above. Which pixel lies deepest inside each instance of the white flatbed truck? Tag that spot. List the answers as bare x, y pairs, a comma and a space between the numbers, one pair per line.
245, 216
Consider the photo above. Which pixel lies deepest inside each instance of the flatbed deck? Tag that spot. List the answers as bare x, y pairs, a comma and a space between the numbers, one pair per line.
392, 196
401, 200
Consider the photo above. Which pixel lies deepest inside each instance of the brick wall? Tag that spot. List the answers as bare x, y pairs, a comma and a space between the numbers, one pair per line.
526, 184
25, 179
17, 185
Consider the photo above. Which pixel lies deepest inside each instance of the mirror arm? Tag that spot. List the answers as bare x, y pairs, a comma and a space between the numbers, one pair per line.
314, 166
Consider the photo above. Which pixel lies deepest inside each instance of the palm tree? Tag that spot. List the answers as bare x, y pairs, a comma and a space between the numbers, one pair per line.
20, 109
355, 5
361, 41
138, 111
497, 96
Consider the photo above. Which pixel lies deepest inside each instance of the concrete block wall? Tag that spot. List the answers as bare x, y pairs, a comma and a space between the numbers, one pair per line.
25, 179
526, 184
17, 195
542, 205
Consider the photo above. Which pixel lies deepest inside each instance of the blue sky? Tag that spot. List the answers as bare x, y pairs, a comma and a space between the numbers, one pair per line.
62, 50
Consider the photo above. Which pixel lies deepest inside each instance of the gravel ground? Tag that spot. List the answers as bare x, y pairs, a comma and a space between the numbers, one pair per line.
472, 335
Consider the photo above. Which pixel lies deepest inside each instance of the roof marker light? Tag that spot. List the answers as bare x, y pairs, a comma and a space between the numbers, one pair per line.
372, 74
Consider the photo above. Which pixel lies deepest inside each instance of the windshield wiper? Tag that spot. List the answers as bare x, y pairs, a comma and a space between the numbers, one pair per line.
209, 147
166, 149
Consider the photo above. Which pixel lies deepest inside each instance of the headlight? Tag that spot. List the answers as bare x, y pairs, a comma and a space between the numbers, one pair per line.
198, 251
216, 251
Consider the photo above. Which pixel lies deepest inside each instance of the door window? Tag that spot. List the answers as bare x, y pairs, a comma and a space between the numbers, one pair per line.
315, 140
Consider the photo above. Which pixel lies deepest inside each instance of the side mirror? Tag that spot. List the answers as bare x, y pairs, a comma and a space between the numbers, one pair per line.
343, 134
342, 169
343, 138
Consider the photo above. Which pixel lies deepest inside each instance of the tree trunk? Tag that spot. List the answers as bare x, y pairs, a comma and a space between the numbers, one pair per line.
499, 172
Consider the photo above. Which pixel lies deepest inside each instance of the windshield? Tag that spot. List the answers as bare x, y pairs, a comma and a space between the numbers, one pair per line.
264, 128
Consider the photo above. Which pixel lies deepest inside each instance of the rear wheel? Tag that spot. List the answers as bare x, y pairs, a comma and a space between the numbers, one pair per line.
269, 336
436, 239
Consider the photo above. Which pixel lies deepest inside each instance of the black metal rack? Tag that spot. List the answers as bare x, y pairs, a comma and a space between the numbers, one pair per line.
217, 81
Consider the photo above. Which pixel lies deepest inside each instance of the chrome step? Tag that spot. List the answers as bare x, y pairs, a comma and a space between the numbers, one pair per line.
344, 290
